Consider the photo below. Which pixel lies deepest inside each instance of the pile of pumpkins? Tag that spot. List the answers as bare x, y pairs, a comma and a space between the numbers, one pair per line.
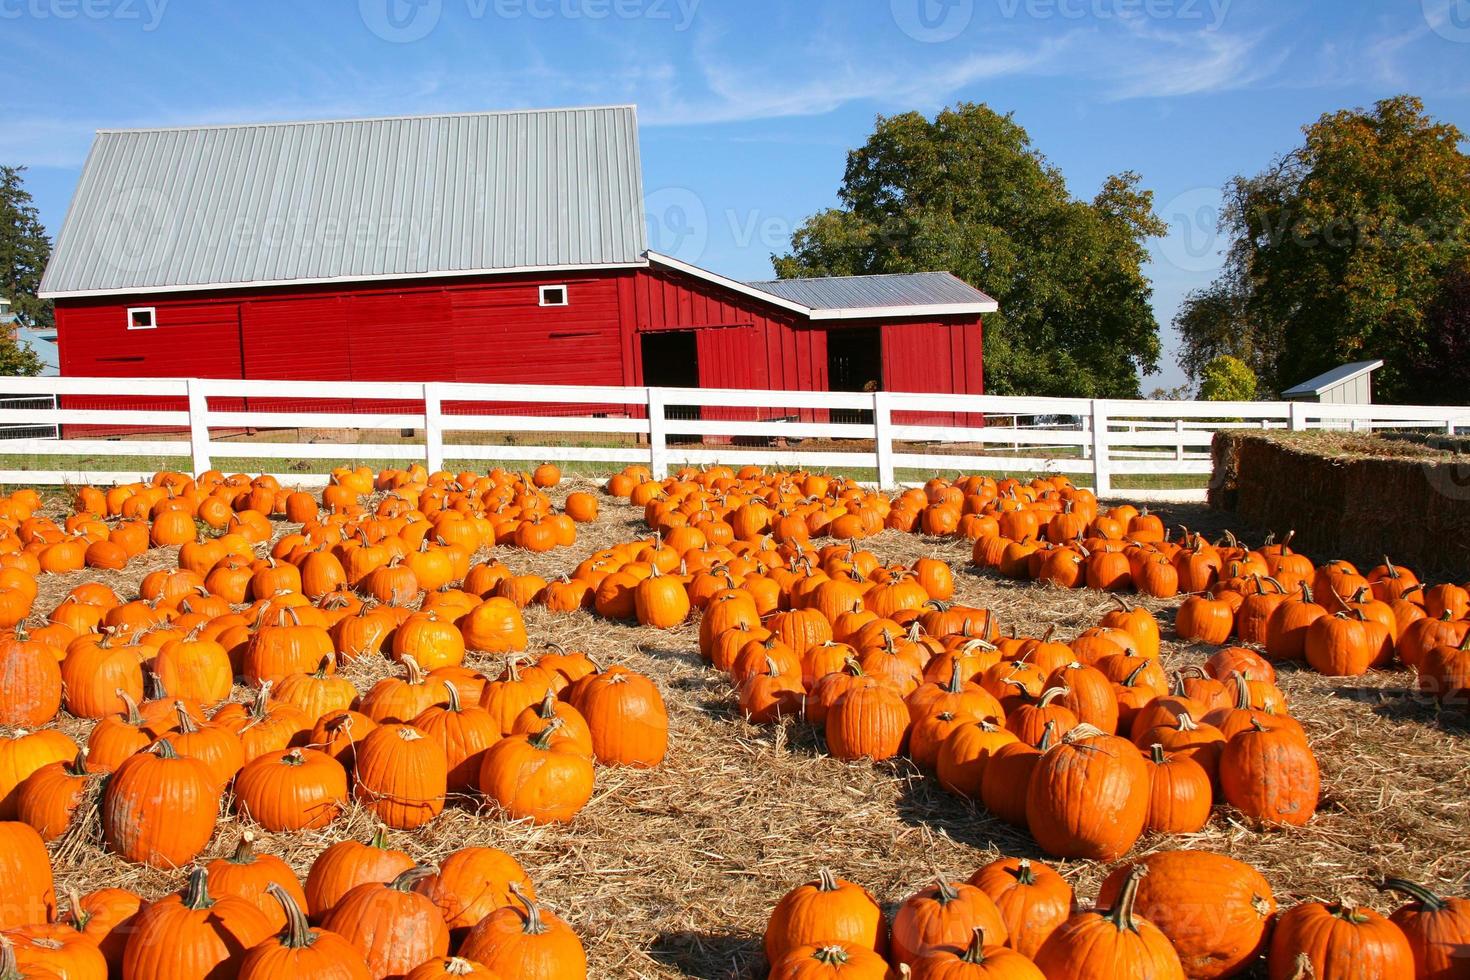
1166, 916
366, 911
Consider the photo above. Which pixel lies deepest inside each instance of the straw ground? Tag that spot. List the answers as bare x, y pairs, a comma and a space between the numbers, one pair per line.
672, 872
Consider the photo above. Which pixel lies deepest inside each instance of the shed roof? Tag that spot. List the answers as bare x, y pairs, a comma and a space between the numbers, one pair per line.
232, 206
922, 289
1332, 379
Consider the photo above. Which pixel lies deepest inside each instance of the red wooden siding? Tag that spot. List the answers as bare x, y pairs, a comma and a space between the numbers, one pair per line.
493, 329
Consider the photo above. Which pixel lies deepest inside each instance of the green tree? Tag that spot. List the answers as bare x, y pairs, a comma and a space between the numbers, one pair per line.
966, 192
25, 249
18, 358
1340, 252
1227, 379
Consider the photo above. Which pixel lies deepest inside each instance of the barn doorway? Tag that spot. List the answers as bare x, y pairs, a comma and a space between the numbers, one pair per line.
671, 360
854, 363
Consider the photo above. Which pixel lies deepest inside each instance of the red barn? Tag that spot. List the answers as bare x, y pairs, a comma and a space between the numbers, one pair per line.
489, 247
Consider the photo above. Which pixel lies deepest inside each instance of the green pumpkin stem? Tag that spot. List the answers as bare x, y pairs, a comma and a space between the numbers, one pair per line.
405, 881
1121, 914
298, 933
542, 739
548, 706
831, 956
164, 749
196, 893
379, 839
1156, 753
1426, 898
944, 892
244, 850
535, 925
9, 968
1025, 874
975, 952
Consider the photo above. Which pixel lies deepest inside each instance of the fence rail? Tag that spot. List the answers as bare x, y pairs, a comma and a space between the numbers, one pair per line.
1093, 439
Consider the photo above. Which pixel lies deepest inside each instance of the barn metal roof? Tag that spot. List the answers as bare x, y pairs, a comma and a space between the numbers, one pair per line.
883, 292
250, 205
1332, 379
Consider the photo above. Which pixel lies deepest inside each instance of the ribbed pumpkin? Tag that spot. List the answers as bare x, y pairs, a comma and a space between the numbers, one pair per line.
626, 716
193, 934
56, 949
402, 699
1110, 945
977, 961
1032, 898
526, 943
27, 893
23, 753
1180, 795
392, 926
160, 808
831, 961
301, 952
473, 882
450, 967
465, 734
1088, 797
288, 646
1338, 941
494, 626
402, 776
49, 796
94, 673
106, 917
1270, 775
347, 864
1214, 909
945, 914
248, 875
537, 776
292, 789
826, 910
1438, 930
869, 721
30, 682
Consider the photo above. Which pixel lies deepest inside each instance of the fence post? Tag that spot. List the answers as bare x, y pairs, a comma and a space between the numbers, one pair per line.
1179, 436
1449, 427
883, 440
658, 448
433, 428
1101, 469
1086, 436
199, 425
1297, 416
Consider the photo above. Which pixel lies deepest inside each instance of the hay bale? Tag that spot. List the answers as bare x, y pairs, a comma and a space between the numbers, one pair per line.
1353, 496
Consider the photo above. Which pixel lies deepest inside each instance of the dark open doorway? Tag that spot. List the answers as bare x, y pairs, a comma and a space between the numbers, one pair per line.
671, 360
854, 363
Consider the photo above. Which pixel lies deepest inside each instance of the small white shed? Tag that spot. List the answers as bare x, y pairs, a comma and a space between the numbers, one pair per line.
1351, 384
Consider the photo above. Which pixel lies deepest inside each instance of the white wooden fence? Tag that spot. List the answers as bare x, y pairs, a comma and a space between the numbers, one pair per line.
1094, 440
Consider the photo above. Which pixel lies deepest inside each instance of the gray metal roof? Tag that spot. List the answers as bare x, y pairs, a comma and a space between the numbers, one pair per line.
198, 207
876, 292
1331, 379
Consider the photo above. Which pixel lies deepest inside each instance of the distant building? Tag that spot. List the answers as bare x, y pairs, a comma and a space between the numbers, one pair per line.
1351, 384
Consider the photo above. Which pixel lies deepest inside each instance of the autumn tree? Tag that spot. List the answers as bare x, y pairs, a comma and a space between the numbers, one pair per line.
1342, 251
966, 192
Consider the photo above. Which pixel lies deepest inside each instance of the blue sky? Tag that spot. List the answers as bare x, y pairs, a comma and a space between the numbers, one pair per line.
748, 107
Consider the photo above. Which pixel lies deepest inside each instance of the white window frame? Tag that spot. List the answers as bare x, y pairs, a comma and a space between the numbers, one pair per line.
566, 295
152, 312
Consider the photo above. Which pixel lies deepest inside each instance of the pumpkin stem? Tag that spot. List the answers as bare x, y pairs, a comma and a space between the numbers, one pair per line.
1156, 752
1429, 901
405, 881
196, 893
1025, 875
379, 839
78, 766
831, 956
535, 926
452, 693
245, 849
944, 892
826, 880
415, 673
975, 952
1048, 736
9, 968
164, 749
298, 934
542, 739
1121, 914
130, 707
457, 966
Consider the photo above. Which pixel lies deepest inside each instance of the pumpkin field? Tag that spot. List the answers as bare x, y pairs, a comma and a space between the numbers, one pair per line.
728, 724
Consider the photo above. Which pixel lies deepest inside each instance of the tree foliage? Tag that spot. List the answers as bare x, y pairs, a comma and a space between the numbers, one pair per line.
1227, 379
18, 358
25, 249
1340, 252
966, 192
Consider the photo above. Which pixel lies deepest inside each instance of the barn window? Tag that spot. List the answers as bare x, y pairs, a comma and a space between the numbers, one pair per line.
142, 318
554, 296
